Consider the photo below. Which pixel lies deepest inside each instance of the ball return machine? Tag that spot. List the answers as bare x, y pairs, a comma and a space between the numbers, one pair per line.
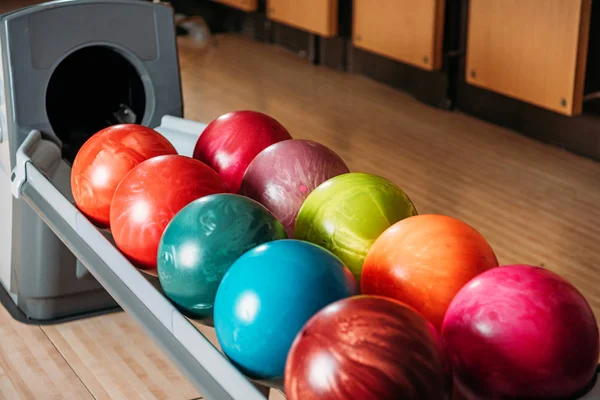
69, 68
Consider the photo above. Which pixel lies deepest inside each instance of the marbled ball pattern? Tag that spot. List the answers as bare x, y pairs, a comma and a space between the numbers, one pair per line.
149, 197
521, 331
203, 240
283, 175
105, 159
368, 348
347, 213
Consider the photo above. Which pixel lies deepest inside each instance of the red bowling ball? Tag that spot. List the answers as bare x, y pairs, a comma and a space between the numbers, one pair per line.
229, 143
105, 159
285, 173
149, 197
368, 348
523, 332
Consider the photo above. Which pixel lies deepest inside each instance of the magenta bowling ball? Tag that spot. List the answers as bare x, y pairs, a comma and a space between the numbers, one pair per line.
521, 331
285, 173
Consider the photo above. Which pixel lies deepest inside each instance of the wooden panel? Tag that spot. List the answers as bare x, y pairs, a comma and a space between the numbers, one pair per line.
316, 16
10, 5
245, 5
531, 50
405, 30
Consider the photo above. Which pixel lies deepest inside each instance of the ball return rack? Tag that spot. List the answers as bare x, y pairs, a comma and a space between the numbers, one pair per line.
206, 368
35, 170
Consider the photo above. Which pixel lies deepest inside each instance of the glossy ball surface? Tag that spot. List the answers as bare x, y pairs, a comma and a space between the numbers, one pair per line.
368, 348
347, 213
202, 241
283, 175
521, 331
105, 159
424, 261
229, 143
266, 297
149, 197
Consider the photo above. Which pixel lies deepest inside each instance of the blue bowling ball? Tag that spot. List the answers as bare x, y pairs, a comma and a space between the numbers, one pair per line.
202, 241
267, 296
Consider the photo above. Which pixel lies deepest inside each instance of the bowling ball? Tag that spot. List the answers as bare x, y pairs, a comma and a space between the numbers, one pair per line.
266, 297
347, 213
229, 143
149, 196
424, 261
521, 332
366, 347
104, 159
439, 344
285, 173
202, 241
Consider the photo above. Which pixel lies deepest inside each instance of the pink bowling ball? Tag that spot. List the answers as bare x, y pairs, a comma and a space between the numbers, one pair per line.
521, 331
285, 173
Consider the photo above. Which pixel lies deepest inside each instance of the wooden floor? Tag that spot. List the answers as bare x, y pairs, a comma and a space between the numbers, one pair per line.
536, 204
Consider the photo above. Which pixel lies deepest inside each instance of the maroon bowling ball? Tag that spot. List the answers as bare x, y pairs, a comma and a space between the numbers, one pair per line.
446, 366
521, 331
368, 348
285, 173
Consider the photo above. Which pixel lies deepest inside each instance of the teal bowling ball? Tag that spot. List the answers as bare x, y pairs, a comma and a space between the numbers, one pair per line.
268, 295
202, 241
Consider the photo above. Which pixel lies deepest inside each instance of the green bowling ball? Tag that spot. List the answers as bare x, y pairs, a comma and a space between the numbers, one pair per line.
347, 213
202, 241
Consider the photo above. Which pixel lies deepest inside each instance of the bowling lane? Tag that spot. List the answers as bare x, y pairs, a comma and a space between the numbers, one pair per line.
116, 360
31, 367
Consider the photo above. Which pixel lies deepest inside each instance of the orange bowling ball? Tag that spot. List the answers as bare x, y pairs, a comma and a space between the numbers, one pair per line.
103, 161
424, 261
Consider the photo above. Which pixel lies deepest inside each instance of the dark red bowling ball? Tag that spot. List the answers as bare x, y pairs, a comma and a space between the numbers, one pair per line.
148, 198
446, 366
285, 173
368, 348
521, 332
229, 143
104, 159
